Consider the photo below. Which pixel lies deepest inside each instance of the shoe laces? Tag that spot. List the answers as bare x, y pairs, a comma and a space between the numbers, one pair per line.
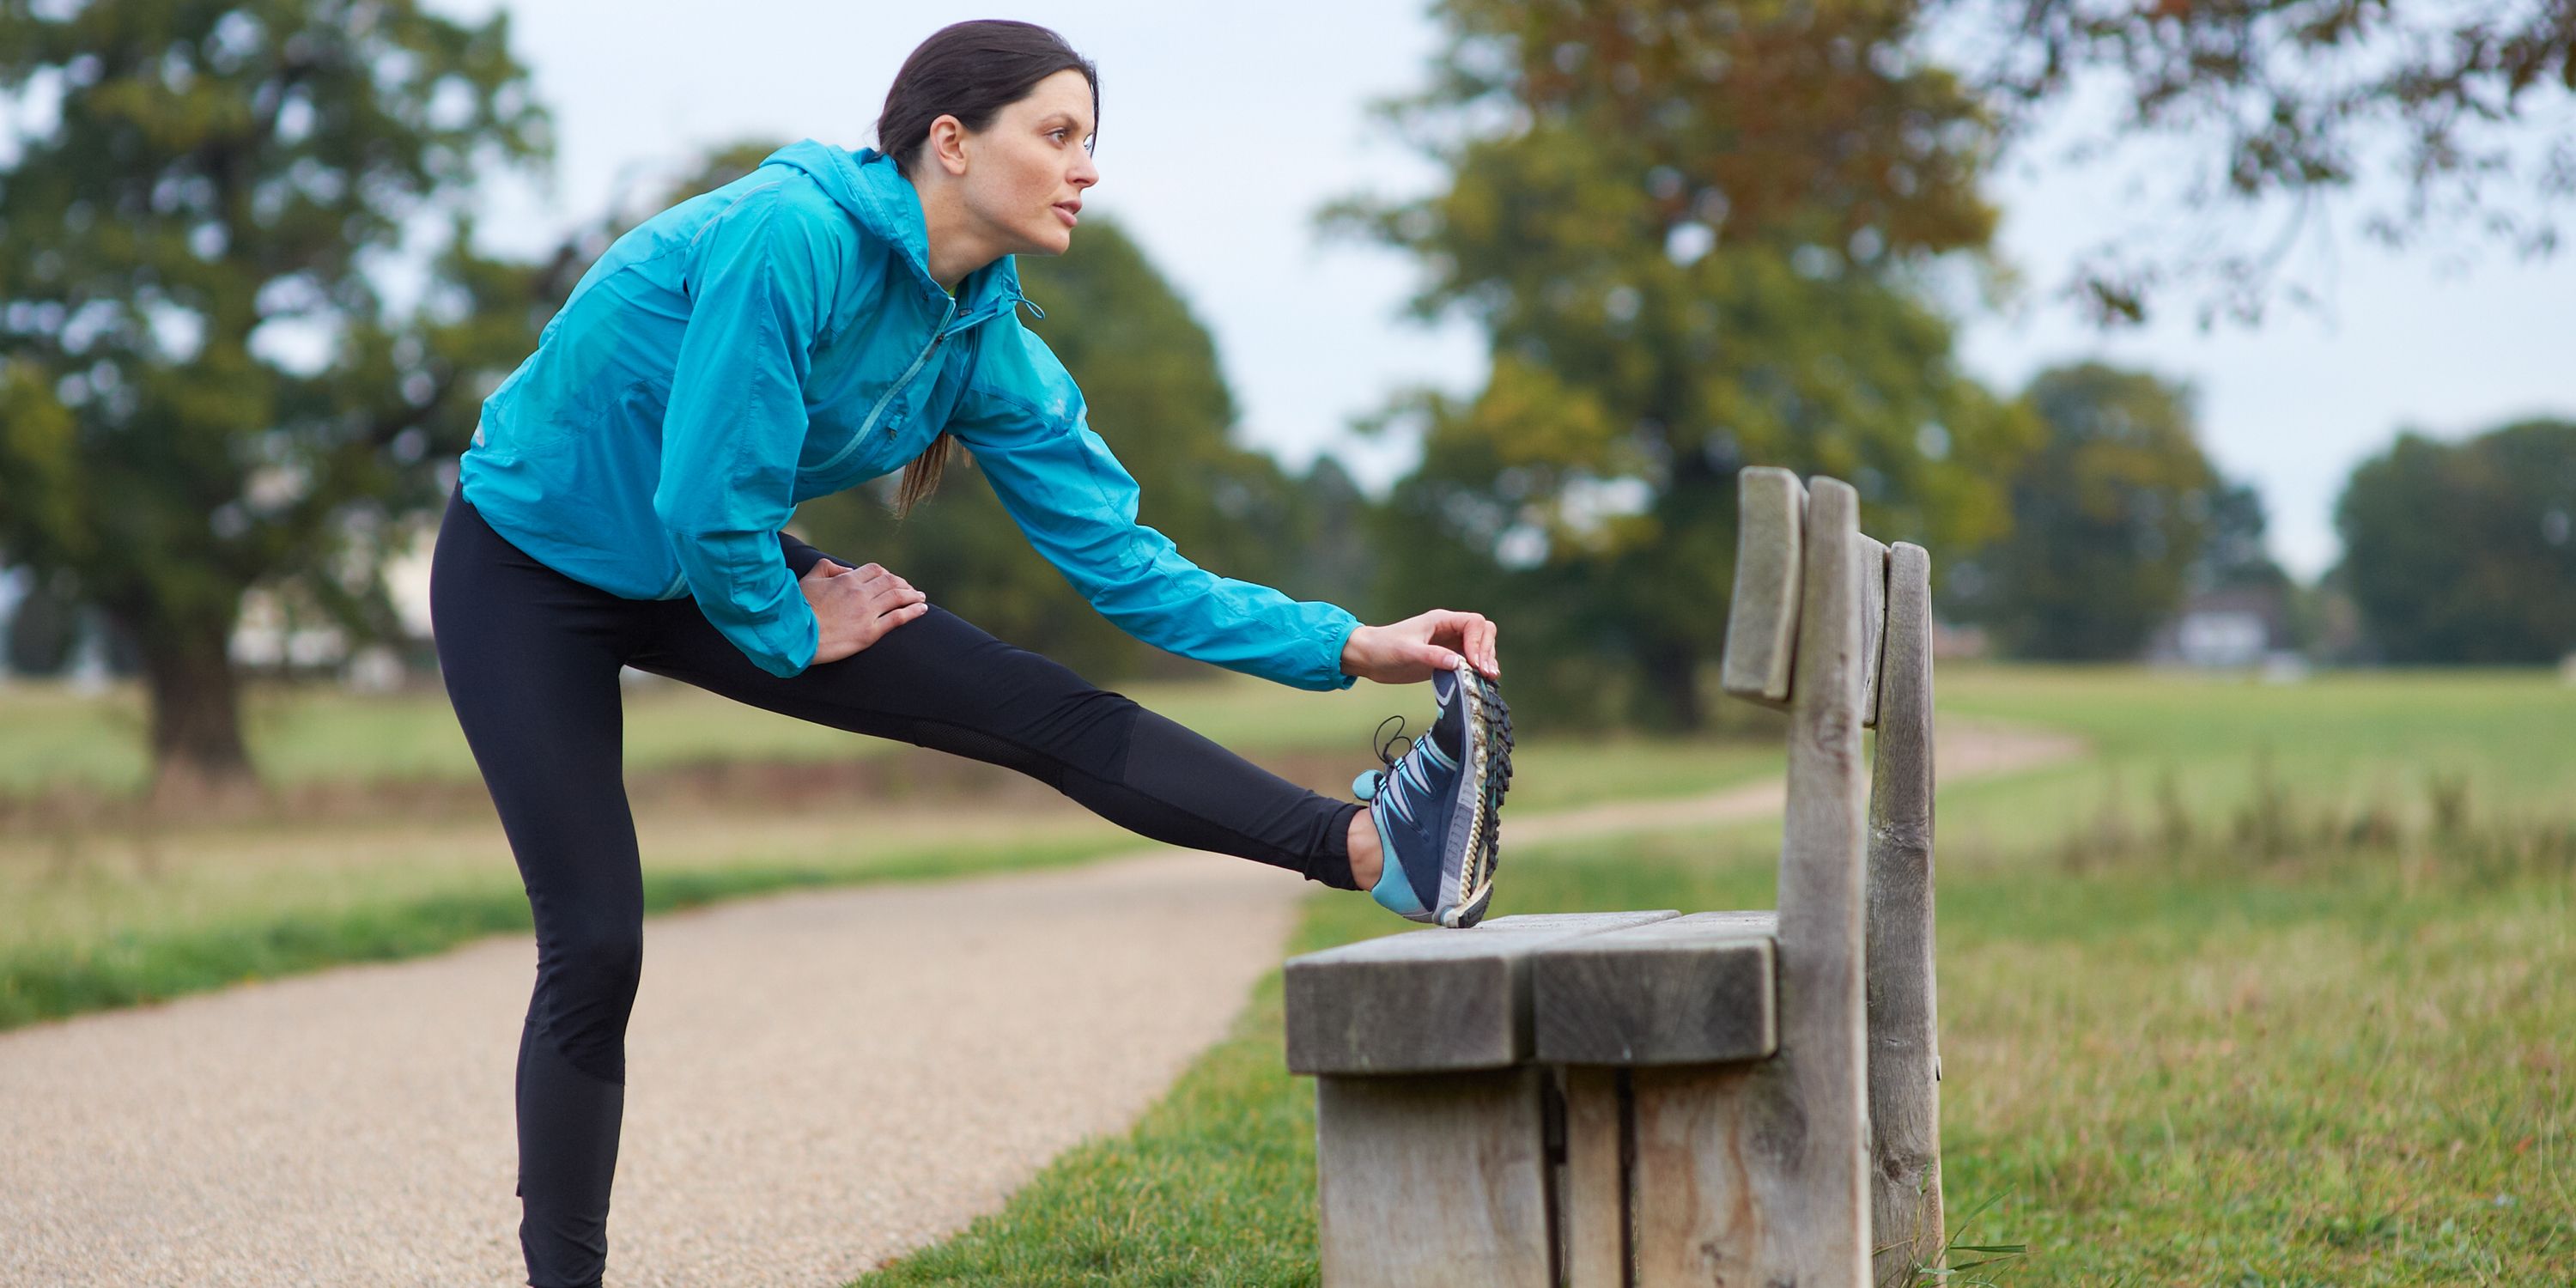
1386, 741
1395, 787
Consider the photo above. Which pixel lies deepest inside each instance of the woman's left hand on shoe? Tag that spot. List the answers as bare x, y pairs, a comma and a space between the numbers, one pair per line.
1407, 652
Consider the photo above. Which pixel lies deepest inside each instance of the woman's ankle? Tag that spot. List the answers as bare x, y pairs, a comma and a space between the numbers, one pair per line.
1367, 860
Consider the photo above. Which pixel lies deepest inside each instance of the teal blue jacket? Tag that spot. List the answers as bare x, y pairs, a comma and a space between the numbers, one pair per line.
781, 338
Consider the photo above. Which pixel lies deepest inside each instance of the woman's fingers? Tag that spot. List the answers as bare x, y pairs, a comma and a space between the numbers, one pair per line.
890, 594
875, 627
1473, 635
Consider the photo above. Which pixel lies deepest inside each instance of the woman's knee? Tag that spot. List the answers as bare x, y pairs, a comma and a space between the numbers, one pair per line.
586, 983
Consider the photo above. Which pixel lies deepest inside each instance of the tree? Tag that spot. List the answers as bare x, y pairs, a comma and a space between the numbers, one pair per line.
2110, 517
2289, 103
202, 385
1150, 380
2234, 552
1691, 234
2466, 552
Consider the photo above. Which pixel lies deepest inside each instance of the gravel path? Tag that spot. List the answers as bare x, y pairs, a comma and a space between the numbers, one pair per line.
816, 1081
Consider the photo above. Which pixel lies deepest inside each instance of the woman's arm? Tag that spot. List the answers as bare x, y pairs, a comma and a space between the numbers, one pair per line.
1024, 420
736, 421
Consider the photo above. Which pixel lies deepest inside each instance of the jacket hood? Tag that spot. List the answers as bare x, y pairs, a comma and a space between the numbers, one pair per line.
875, 193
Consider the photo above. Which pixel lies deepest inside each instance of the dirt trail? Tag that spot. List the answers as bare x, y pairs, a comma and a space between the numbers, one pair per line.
816, 1081
1961, 749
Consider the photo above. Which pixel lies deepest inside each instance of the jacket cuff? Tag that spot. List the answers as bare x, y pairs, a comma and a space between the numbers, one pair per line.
1331, 636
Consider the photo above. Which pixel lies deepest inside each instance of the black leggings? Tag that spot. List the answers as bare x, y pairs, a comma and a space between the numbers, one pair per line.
531, 661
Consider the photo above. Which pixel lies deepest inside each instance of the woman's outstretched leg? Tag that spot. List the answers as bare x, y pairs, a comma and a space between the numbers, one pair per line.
940, 682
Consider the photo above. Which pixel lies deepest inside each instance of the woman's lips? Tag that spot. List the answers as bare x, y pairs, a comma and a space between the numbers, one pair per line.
1070, 219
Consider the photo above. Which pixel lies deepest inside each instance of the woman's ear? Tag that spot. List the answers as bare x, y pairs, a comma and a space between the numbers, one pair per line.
947, 145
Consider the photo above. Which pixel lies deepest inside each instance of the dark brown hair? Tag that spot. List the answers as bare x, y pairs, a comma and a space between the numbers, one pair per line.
969, 70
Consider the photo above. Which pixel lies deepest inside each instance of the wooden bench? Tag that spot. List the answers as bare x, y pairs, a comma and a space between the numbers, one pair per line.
1645, 1098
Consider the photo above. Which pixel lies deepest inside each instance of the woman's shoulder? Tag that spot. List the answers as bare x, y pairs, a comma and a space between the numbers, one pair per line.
1015, 372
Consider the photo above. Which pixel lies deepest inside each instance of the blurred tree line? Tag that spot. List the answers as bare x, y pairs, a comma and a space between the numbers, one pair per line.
1697, 236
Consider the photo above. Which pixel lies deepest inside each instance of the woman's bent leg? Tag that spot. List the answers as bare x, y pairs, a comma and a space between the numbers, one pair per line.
531, 660
940, 682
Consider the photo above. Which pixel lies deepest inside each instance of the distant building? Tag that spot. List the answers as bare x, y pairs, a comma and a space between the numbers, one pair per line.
2234, 627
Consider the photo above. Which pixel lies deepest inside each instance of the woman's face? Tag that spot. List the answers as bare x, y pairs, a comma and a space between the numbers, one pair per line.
1026, 172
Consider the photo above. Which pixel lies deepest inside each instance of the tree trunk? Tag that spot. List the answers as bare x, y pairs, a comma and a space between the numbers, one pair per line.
1672, 676
197, 749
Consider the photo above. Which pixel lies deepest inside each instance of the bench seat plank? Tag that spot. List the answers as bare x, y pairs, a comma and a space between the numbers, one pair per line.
1690, 990
1432, 1001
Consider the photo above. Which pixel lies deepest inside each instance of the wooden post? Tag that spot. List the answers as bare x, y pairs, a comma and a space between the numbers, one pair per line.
1905, 1053
1757, 1173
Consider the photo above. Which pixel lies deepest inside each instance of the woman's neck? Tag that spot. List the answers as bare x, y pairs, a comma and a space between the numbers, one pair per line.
957, 246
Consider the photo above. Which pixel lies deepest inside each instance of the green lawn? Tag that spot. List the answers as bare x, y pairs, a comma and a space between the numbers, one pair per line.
305, 733
143, 909
2173, 1063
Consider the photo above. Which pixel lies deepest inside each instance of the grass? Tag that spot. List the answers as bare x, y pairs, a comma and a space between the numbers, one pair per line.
97, 937
2175, 1063
142, 910
2209, 748
307, 733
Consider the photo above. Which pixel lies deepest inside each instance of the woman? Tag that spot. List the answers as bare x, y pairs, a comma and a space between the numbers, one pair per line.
820, 322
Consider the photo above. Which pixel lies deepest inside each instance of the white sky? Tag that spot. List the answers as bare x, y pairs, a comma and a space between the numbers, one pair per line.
1223, 127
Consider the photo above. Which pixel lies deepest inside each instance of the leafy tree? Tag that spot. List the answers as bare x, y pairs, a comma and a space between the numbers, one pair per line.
1154, 391
2466, 552
2277, 108
196, 224
1691, 233
2234, 553
43, 628
2109, 519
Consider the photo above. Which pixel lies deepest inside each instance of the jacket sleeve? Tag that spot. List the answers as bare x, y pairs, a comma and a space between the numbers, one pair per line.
736, 422
1023, 419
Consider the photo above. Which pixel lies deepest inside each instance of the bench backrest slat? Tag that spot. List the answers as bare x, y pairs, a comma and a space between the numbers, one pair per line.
1904, 1053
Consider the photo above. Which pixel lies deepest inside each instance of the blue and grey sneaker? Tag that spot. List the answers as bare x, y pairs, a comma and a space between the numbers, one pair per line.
1438, 807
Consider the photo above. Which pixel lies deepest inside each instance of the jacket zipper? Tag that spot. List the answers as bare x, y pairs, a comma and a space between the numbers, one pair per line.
938, 336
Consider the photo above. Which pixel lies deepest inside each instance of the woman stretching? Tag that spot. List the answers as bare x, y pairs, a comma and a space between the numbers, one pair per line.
821, 322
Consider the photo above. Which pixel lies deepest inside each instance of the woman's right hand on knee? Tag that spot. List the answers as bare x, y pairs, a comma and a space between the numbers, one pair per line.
855, 607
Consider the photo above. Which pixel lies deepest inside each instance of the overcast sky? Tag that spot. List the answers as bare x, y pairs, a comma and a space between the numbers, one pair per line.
1223, 127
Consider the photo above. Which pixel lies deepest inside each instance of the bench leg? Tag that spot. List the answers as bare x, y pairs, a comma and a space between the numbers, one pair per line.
1593, 1190
1433, 1180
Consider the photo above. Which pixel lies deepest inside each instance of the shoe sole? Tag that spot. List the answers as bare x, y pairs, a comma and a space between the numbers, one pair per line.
1489, 766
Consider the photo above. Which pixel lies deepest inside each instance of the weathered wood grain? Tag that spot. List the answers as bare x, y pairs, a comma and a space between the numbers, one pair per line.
1428, 1001
1692, 990
1763, 1177
1434, 1181
1592, 1196
1762, 611
1904, 1046
1873, 625
1703, 1176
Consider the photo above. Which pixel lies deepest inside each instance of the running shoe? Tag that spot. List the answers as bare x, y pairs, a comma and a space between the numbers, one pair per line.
1438, 806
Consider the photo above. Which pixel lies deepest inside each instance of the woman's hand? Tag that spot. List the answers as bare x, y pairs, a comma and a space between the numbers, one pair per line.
1407, 652
855, 607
